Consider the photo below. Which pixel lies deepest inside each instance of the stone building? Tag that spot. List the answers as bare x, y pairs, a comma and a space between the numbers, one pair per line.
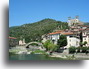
13, 41
74, 22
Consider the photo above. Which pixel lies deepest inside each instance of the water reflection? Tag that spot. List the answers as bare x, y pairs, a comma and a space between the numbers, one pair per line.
32, 57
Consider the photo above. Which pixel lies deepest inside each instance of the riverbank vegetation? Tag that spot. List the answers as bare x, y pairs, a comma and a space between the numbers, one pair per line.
49, 46
39, 52
62, 41
73, 49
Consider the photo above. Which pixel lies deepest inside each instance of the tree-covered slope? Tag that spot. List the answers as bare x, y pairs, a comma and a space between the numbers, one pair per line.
34, 31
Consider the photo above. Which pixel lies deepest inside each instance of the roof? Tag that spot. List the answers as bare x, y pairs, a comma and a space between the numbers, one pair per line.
57, 32
12, 38
62, 32
87, 29
67, 33
81, 29
85, 26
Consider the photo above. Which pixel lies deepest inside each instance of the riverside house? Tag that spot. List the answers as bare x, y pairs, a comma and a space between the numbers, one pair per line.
85, 34
13, 41
54, 36
71, 39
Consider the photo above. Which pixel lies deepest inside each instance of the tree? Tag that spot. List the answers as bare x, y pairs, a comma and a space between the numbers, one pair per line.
50, 46
62, 41
84, 43
72, 49
81, 39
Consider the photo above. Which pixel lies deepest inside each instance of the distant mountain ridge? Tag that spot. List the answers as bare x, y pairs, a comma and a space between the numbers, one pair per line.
34, 31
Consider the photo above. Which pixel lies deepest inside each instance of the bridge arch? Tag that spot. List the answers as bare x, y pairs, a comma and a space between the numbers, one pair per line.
40, 44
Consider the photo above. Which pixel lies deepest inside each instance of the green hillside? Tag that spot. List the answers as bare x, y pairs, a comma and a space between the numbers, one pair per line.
34, 31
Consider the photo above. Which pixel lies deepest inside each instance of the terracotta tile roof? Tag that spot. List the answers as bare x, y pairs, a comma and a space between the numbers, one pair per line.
85, 26
12, 38
57, 32
67, 33
81, 29
61, 32
87, 29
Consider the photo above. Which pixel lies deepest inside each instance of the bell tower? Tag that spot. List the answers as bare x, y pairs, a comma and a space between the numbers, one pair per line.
69, 21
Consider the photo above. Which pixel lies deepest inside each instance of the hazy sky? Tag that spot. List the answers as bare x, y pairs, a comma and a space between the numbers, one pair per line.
29, 11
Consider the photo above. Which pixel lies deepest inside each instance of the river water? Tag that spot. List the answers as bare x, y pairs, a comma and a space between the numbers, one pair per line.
31, 57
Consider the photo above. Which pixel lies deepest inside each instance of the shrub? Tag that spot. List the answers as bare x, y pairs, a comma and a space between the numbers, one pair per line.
87, 49
84, 49
78, 49
50, 46
85, 43
72, 49
62, 41
39, 52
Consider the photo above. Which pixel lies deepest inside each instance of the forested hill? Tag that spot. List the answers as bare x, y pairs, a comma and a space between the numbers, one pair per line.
34, 31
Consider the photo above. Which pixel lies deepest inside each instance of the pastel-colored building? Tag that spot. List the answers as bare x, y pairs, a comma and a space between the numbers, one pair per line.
22, 42
55, 36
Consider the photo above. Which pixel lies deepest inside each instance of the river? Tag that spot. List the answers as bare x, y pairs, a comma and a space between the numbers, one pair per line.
31, 57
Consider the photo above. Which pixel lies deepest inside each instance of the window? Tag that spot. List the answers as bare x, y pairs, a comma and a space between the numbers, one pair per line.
70, 40
84, 33
85, 38
76, 42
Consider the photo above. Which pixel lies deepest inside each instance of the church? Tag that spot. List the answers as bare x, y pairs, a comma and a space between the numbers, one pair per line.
74, 22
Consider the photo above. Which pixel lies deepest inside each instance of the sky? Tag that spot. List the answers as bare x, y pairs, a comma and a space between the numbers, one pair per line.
29, 11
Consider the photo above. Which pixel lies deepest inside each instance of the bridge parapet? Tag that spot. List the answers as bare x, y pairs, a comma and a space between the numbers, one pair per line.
40, 44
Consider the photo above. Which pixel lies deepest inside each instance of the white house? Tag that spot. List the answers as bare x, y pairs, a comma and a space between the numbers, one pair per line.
85, 35
72, 40
55, 36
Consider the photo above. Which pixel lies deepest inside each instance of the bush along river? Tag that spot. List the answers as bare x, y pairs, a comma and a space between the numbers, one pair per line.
21, 53
28, 54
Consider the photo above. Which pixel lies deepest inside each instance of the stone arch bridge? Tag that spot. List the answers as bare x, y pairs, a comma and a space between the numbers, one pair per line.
40, 44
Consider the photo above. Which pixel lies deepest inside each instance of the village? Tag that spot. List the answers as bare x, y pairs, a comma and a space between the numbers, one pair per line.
77, 33
76, 44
